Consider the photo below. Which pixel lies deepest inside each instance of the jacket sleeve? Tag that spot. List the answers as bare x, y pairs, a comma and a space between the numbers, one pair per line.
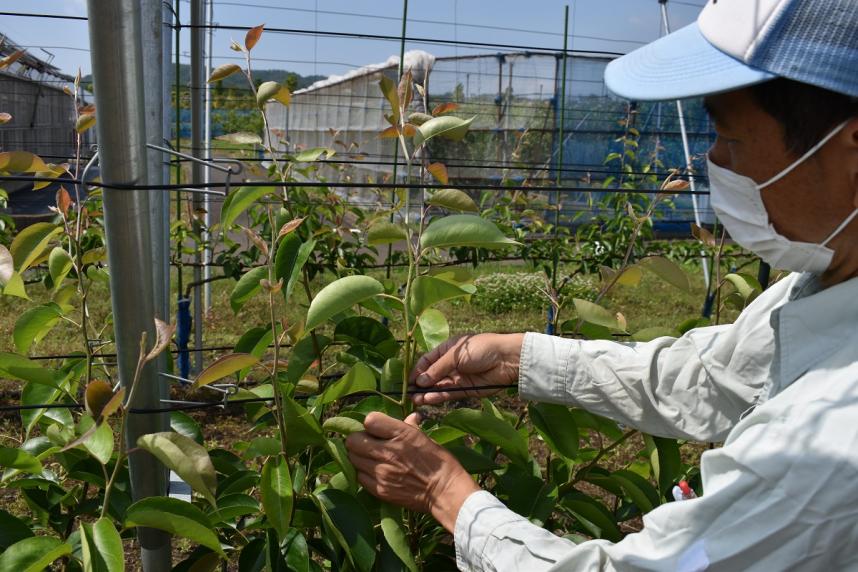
693, 387
747, 520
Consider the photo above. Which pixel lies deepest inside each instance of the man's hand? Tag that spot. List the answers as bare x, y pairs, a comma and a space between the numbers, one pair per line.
397, 463
467, 362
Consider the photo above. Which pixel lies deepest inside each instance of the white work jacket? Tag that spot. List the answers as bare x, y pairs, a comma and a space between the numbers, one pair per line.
779, 386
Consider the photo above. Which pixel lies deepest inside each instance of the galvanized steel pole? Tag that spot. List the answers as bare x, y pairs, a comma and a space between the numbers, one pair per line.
704, 263
197, 104
117, 69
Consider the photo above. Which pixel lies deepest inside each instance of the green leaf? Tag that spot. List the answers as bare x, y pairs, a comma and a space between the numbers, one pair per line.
385, 232
426, 291
101, 547
12, 530
246, 287
184, 424
342, 425
277, 493
262, 447
341, 295
224, 366
367, 332
433, 329
557, 426
668, 271
595, 314
285, 260
177, 517
649, 334
240, 138
187, 458
34, 324
31, 242
302, 427
15, 287
642, 493
388, 88
593, 516
746, 285
100, 443
351, 525
485, 425
665, 460
267, 90
59, 265
359, 378
239, 201
20, 460
392, 375
312, 154
454, 200
396, 536
233, 506
463, 230
19, 367
33, 554
336, 448
445, 126
294, 547
303, 355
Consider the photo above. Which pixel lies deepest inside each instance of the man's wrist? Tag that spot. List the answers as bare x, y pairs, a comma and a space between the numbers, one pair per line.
445, 508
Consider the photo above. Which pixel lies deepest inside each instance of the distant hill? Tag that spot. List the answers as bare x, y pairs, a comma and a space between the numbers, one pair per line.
238, 81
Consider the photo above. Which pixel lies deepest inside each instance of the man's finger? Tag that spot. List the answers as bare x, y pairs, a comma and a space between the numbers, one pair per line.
382, 426
425, 362
414, 419
443, 367
363, 444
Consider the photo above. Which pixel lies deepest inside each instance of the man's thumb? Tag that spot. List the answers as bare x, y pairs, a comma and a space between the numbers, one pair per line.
414, 419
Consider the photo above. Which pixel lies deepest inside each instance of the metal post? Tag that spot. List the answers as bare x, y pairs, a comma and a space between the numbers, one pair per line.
400, 71
118, 75
687, 150
208, 254
197, 81
153, 82
559, 177
166, 93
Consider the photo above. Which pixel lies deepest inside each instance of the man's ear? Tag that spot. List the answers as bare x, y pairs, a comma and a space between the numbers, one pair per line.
851, 140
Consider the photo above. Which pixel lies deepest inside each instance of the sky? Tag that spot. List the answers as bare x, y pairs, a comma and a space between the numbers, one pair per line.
601, 25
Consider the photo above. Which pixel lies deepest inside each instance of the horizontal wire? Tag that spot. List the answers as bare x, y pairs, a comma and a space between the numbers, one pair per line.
415, 40
242, 401
350, 185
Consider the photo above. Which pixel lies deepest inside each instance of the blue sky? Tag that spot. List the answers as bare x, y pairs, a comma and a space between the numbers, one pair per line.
607, 25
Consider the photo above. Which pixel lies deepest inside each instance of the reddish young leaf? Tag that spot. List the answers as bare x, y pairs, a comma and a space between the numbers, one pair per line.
289, 227
253, 36
63, 201
389, 133
439, 171
445, 108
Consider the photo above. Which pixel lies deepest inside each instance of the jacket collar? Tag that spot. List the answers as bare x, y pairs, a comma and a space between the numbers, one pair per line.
812, 325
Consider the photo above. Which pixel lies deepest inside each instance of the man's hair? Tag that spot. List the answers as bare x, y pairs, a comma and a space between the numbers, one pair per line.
806, 112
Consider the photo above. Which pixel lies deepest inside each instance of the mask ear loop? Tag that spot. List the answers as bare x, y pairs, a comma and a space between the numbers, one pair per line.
804, 157
840, 228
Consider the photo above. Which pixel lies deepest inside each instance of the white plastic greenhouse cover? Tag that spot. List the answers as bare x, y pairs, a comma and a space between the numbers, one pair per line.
415, 60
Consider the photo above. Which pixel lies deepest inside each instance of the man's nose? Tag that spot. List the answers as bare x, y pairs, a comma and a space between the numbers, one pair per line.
719, 153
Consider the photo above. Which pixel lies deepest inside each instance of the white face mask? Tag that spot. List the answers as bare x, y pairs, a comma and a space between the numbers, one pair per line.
737, 201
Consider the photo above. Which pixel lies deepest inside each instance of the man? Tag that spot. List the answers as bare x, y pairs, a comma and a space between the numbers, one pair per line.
779, 386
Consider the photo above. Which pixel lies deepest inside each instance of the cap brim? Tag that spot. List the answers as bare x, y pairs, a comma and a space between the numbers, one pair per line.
678, 66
